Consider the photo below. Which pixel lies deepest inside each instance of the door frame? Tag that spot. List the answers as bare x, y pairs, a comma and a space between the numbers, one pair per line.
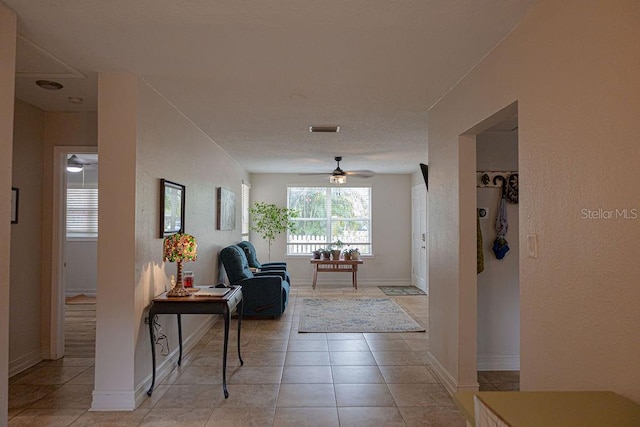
58, 246
420, 189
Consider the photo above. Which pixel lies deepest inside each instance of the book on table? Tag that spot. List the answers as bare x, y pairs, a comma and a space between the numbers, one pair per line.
210, 291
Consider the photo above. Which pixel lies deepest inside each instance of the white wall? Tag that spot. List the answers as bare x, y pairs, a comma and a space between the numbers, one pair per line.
143, 139
572, 67
26, 239
390, 236
82, 268
171, 147
498, 284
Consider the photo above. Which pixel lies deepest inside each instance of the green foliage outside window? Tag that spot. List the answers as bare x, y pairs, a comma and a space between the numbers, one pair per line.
328, 214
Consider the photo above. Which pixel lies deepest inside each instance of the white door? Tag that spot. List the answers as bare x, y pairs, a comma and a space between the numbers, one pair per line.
419, 238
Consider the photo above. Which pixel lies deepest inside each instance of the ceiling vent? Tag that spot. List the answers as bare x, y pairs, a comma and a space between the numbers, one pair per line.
325, 129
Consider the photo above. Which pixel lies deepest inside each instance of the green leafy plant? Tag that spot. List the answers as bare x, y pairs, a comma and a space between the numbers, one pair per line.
337, 245
269, 220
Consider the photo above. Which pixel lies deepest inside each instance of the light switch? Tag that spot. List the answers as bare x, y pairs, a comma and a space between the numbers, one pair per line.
532, 246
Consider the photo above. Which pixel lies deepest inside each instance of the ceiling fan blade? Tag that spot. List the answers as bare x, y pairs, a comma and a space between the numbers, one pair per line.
315, 173
361, 173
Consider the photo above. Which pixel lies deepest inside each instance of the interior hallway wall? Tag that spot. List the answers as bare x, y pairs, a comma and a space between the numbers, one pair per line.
143, 139
572, 68
8, 31
26, 239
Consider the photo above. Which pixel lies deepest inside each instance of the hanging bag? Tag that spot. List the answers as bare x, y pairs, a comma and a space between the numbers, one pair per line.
500, 245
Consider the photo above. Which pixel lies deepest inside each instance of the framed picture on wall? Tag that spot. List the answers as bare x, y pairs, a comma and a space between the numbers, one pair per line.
172, 204
226, 209
15, 193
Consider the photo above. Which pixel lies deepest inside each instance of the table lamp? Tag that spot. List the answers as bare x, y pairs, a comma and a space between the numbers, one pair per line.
179, 247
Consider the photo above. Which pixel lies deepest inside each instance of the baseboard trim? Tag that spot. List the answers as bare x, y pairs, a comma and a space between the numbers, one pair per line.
447, 380
113, 400
25, 362
488, 362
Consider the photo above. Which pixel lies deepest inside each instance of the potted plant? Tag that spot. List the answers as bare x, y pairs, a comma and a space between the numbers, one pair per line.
270, 220
347, 254
336, 249
326, 253
352, 254
316, 254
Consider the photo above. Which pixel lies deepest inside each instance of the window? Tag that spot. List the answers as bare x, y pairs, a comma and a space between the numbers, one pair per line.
329, 214
82, 213
245, 211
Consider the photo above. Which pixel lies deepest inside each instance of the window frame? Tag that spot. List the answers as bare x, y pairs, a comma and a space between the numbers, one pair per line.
90, 234
245, 219
330, 220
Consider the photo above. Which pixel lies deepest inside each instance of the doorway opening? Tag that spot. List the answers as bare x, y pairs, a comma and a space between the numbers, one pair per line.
498, 289
419, 238
75, 237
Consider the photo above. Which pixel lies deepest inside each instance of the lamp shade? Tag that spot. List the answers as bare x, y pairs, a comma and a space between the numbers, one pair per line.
180, 247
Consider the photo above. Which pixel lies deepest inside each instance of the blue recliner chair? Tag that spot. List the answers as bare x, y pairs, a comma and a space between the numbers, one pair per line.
252, 259
264, 293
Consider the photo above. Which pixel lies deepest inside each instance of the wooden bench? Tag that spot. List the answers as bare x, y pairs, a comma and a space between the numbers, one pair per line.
339, 266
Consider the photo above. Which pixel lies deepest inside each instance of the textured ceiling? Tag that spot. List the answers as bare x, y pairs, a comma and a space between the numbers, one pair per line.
254, 75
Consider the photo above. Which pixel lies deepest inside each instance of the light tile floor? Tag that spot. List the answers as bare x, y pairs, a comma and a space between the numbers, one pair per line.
288, 379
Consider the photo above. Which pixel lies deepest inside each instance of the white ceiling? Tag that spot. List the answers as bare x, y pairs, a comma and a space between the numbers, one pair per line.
254, 75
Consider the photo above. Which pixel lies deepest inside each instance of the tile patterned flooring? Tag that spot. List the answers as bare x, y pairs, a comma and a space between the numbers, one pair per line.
288, 379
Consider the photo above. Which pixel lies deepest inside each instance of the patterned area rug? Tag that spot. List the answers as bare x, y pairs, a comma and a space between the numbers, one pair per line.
355, 315
401, 290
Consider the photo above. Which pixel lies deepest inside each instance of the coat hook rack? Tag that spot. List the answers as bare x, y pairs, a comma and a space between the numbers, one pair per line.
487, 179
506, 181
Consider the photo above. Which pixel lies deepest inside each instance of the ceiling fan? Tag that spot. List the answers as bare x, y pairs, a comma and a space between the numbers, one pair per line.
339, 176
79, 164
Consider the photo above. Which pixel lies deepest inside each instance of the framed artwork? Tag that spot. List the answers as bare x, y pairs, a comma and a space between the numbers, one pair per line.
226, 209
172, 203
15, 193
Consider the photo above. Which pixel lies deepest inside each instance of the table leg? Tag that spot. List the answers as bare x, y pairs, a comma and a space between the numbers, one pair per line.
224, 352
180, 339
153, 354
355, 276
240, 309
315, 275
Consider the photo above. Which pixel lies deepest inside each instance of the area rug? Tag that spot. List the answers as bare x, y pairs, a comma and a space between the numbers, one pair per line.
401, 290
355, 315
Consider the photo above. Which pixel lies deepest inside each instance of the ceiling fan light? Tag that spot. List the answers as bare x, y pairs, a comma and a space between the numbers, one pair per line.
49, 85
338, 179
74, 165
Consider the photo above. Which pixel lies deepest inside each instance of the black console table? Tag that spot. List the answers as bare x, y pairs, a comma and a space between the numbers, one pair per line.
197, 305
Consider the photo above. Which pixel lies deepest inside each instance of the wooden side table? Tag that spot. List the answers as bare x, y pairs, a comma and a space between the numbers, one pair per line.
197, 305
339, 266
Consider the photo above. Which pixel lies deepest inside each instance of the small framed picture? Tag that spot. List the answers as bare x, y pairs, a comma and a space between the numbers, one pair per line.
226, 209
15, 194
